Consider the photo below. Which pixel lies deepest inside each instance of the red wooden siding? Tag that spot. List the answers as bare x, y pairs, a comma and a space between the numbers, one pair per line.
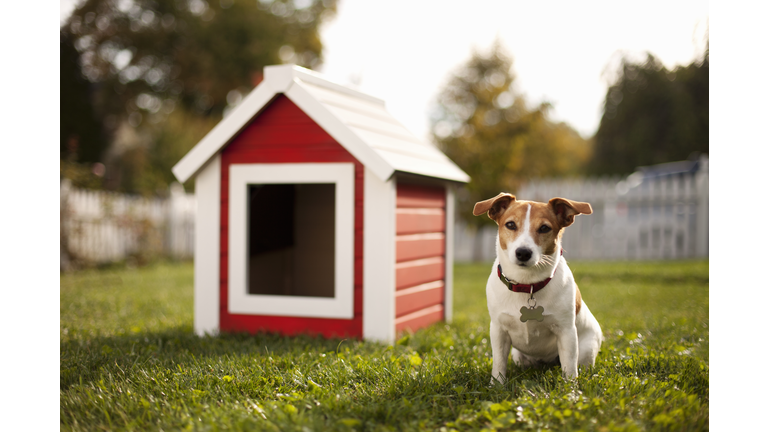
413, 196
412, 273
420, 256
421, 318
414, 221
412, 299
282, 133
416, 246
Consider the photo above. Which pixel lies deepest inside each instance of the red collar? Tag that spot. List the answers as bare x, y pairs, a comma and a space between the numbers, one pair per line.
524, 288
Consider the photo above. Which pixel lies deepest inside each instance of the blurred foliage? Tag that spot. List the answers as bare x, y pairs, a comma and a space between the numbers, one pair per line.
484, 125
81, 137
148, 59
80, 174
653, 115
145, 166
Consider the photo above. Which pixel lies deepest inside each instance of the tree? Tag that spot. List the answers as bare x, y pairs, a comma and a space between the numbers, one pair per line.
484, 125
146, 169
189, 51
81, 138
149, 58
81, 142
653, 115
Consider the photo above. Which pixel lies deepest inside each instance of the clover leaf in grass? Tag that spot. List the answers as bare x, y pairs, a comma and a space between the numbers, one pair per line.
350, 422
313, 385
415, 359
290, 409
440, 379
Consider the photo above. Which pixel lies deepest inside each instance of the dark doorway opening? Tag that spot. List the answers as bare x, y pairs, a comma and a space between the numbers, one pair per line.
291, 239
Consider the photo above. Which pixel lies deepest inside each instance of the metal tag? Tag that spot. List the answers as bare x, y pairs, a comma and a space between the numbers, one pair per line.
531, 313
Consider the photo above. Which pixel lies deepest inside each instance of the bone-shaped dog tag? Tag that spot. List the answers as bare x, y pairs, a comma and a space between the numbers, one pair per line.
532, 313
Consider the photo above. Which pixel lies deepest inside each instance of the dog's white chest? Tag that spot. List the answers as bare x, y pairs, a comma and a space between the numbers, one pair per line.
531, 336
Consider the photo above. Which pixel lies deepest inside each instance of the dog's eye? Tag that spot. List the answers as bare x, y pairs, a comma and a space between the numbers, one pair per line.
511, 225
544, 229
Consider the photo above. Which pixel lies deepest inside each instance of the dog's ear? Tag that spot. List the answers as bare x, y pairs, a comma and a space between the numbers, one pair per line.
566, 210
494, 206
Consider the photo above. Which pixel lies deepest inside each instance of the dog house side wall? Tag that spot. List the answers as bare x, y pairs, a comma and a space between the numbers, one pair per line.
283, 133
421, 268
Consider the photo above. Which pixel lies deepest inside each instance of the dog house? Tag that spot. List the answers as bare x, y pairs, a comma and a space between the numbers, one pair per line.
319, 213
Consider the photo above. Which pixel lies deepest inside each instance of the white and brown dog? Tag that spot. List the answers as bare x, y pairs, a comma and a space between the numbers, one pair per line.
533, 300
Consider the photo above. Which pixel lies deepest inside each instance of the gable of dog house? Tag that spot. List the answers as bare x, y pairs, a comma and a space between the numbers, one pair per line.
358, 122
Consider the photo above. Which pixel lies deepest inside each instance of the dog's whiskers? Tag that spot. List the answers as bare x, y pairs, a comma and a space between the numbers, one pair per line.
544, 261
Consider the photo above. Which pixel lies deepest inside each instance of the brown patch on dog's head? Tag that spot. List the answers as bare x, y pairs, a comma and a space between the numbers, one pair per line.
544, 227
495, 206
566, 210
544, 224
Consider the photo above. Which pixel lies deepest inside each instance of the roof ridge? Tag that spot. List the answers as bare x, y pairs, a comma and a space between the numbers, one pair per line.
312, 77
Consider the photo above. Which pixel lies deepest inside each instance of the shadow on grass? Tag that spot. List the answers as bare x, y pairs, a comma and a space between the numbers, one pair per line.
85, 360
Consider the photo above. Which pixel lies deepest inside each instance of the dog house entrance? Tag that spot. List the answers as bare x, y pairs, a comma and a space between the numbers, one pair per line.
291, 239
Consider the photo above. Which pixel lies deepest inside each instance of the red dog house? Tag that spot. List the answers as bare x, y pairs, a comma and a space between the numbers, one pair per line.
319, 213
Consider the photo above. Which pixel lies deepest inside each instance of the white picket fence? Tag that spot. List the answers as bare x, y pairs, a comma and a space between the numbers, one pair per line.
100, 227
634, 218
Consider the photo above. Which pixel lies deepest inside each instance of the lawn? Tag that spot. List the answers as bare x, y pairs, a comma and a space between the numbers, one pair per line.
130, 361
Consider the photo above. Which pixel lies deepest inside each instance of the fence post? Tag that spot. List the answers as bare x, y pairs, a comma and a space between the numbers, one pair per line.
175, 220
64, 260
702, 209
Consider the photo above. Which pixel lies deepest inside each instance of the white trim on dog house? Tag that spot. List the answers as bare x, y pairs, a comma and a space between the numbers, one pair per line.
450, 211
240, 301
207, 232
358, 122
378, 248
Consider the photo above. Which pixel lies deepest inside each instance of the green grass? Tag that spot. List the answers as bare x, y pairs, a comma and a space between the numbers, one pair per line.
129, 361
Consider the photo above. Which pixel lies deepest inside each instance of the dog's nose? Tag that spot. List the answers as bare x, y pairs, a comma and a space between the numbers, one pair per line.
523, 254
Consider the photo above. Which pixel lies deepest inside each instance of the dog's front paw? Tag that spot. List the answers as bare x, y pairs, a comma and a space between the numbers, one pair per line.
498, 379
570, 374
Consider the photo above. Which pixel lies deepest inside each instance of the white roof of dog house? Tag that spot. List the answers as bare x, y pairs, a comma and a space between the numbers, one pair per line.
357, 121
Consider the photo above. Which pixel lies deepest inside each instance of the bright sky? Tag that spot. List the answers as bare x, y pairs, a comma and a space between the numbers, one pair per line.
403, 51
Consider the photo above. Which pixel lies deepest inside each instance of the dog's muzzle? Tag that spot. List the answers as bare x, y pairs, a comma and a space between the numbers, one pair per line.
523, 254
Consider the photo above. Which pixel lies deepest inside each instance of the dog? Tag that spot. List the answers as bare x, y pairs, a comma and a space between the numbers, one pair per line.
534, 303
